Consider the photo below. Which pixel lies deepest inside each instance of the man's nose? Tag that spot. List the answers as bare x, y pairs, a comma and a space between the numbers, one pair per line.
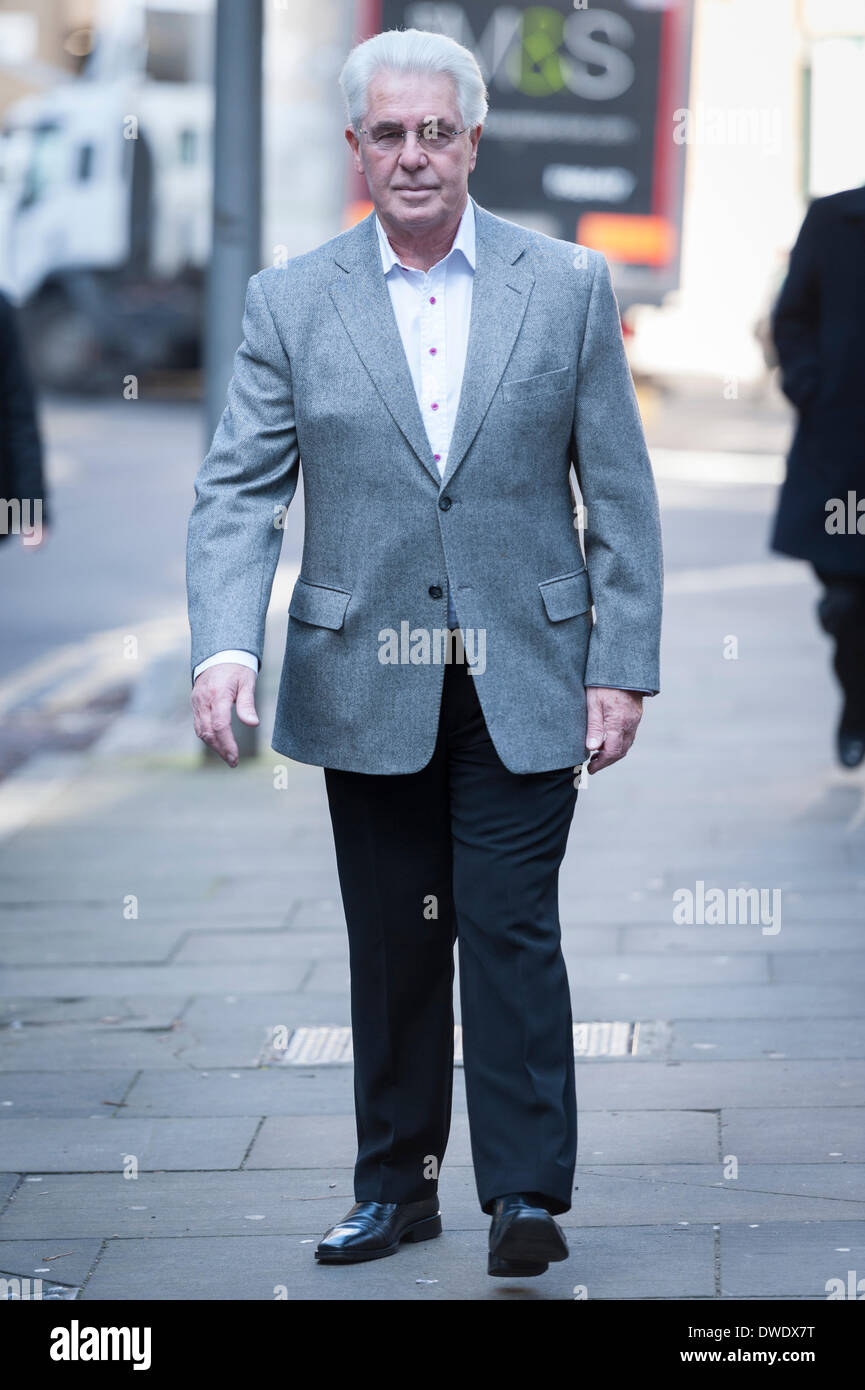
412, 154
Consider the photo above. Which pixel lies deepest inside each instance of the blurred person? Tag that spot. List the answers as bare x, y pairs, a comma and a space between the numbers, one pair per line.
819, 331
23, 503
439, 370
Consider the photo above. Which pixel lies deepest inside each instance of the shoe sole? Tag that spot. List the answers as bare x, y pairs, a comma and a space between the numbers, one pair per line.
530, 1241
514, 1269
428, 1229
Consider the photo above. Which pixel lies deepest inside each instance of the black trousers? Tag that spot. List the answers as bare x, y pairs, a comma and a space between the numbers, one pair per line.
842, 615
463, 851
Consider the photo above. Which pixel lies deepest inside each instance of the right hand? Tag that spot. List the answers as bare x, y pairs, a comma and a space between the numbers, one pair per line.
216, 690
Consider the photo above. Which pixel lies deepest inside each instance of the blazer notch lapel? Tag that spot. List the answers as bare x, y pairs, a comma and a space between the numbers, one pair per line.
363, 303
500, 297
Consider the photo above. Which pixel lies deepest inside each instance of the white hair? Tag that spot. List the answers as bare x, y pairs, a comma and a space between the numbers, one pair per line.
413, 50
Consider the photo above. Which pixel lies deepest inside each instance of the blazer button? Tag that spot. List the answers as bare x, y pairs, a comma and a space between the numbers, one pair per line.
445, 504
435, 591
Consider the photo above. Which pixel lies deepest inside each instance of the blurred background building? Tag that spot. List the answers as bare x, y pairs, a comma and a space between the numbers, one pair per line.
683, 138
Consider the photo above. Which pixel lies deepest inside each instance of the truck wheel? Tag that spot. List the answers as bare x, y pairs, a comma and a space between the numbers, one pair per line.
64, 350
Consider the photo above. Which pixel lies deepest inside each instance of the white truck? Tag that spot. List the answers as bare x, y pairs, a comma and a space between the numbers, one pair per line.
105, 201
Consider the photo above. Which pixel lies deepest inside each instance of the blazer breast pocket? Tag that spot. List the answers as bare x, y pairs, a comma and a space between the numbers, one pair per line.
566, 596
531, 387
318, 604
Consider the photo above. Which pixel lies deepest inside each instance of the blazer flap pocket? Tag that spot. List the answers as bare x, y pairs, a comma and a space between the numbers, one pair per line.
566, 596
318, 604
520, 388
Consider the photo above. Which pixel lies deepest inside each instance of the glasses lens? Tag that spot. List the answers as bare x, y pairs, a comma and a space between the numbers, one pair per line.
436, 140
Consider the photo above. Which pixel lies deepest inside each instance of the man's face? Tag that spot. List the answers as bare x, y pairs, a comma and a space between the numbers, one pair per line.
414, 190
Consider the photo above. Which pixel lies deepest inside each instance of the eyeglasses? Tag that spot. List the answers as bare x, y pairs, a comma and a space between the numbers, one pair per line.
431, 137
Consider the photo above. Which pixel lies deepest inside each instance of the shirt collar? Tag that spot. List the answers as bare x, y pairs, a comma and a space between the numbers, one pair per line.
464, 241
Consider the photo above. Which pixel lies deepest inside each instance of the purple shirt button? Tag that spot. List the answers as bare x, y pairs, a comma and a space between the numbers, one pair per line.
432, 299
434, 406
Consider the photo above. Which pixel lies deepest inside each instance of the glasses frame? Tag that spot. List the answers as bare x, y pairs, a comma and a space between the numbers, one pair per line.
375, 140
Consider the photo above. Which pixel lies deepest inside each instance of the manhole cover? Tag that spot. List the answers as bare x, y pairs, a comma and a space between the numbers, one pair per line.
331, 1046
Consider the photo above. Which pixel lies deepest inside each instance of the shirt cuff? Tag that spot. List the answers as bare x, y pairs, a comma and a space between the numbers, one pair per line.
635, 688
240, 658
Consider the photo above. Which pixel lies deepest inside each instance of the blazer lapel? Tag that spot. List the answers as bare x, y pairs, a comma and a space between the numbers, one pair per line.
363, 303
500, 295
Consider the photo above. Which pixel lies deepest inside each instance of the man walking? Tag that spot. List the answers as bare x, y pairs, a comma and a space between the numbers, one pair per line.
438, 371
818, 325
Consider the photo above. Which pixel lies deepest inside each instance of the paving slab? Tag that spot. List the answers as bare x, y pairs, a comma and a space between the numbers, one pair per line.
265, 1091
636, 971
238, 1030
187, 914
74, 1093
759, 1039
8, 1184
88, 1046
136, 1012
799, 1258
160, 979
250, 946
282, 1202
808, 1136
631, 1136
825, 967
830, 937
627, 1262
107, 945
619, 1084
67, 1263
745, 1001
106, 1145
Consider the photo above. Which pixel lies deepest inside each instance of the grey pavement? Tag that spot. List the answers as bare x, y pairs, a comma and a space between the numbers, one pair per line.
168, 925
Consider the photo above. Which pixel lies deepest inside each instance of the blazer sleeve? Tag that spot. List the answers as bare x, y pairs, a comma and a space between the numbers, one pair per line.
795, 317
622, 525
242, 492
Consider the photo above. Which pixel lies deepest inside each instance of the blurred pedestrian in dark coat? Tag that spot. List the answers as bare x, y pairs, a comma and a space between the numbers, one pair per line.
819, 332
22, 484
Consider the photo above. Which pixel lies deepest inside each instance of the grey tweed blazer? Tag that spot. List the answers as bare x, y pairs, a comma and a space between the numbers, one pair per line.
321, 382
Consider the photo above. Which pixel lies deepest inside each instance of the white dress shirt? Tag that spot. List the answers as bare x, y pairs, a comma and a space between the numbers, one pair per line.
432, 309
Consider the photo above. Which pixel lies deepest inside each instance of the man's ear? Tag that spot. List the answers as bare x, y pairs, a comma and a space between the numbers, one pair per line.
354, 145
473, 157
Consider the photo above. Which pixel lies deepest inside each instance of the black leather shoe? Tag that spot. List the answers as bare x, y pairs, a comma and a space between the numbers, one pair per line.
372, 1230
524, 1238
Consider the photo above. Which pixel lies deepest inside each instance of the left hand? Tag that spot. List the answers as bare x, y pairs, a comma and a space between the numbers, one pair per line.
613, 716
